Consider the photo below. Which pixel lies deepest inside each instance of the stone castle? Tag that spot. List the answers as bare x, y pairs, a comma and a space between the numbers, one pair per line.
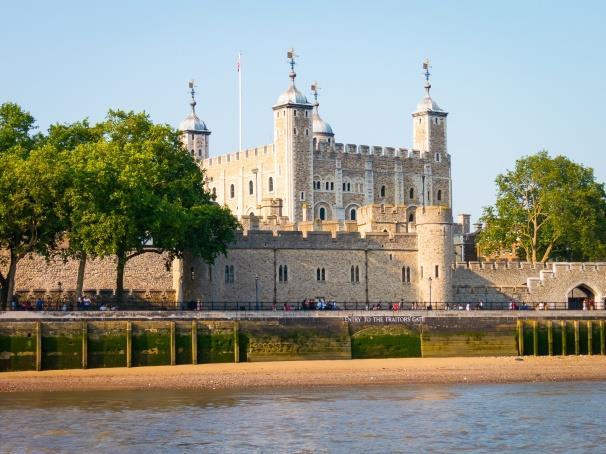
351, 223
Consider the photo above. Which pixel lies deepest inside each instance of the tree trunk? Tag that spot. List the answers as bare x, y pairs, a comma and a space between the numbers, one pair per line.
120, 276
80, 279
7, 295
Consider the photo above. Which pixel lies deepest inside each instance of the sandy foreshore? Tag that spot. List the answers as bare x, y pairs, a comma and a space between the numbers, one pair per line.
313, 373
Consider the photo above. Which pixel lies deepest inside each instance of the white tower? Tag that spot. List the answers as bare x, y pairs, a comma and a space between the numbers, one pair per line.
429, 122
195, 135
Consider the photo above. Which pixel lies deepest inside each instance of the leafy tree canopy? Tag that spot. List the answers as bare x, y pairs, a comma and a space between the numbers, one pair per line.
549, 207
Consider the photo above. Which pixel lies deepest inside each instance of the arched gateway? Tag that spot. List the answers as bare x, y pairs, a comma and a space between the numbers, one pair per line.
579, 294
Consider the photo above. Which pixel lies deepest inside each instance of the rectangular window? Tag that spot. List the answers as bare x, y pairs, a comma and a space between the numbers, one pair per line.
437, 272
302, 196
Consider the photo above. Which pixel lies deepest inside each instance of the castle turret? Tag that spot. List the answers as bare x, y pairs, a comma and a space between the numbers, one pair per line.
322, 131
293, 142
436, 254
195, 134
429, 122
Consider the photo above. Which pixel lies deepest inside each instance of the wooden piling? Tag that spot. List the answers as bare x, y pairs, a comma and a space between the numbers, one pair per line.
550, 337
577, 338
520, 337
236, 341
84, 345
535, 338
129, 344
589, 338
564, 350
173, 346
194, 342
38, 346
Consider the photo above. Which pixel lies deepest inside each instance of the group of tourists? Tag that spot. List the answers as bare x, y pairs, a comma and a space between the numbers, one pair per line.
319, 304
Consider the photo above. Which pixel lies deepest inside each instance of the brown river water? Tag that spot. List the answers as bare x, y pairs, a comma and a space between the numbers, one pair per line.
534, 417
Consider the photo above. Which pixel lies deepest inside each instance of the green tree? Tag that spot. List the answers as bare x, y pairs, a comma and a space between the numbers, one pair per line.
30, 181
139, 191
30, 185
546, 206
78, 198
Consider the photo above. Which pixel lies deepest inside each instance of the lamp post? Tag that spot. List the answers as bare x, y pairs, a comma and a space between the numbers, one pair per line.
256, 292
429, 279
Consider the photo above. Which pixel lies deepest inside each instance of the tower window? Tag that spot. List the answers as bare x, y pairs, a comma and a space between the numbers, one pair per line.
352, 275
306, 131
232, 191
437, 271
327, 185
357, 273
295, 131
348, 187
419, 121
270, 184
438, 157
302, 196
322, 214
332, 186
199, 152
250, 187
352, 214
320, 274
283, 273
411, 193
294, 112
439, 194
305, 114
411, 217
229, 274
382, 191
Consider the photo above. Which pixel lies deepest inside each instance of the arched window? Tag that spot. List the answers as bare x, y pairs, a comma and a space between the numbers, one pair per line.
411, 217
352, 274
315, 143
250, 187
327, 185
344, 186
357, 273
285, 273
231, 274
323, 274
408, 274
403, 274
322, 213
439, 194
232, 191
332, 186
280, 275
352, 214
382, 191
318, 274
227, 274
270, 184
348, 187
215, 193
411, 193
192, 152
199, 152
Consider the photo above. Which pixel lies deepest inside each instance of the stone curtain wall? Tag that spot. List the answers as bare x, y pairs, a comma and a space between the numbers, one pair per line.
526, 282
144, 272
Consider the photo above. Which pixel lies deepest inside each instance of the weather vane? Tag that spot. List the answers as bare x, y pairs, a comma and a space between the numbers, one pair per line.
192, 84
426, 67
291, 55
314, 89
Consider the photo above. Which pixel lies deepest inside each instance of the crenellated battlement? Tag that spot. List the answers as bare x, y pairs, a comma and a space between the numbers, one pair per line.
249, 153
296, 239
555, 267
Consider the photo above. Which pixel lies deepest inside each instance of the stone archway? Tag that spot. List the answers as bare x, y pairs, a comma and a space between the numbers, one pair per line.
578, 294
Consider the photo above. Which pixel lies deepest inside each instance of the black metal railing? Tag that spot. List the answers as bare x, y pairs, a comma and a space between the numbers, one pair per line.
112, 304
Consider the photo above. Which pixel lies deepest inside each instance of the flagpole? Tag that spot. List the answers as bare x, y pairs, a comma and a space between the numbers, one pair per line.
240, 100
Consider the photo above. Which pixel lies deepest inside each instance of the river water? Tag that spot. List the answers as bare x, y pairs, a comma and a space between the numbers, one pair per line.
540, 417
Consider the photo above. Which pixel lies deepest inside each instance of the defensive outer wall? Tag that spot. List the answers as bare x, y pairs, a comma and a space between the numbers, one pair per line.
379, 256
39, 341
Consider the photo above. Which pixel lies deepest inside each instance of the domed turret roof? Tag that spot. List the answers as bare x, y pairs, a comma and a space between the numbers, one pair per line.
428, 104
291, 96
192, 123
319, 126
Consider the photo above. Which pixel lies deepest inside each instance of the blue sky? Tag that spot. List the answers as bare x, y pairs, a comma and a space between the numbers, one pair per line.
516, 76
